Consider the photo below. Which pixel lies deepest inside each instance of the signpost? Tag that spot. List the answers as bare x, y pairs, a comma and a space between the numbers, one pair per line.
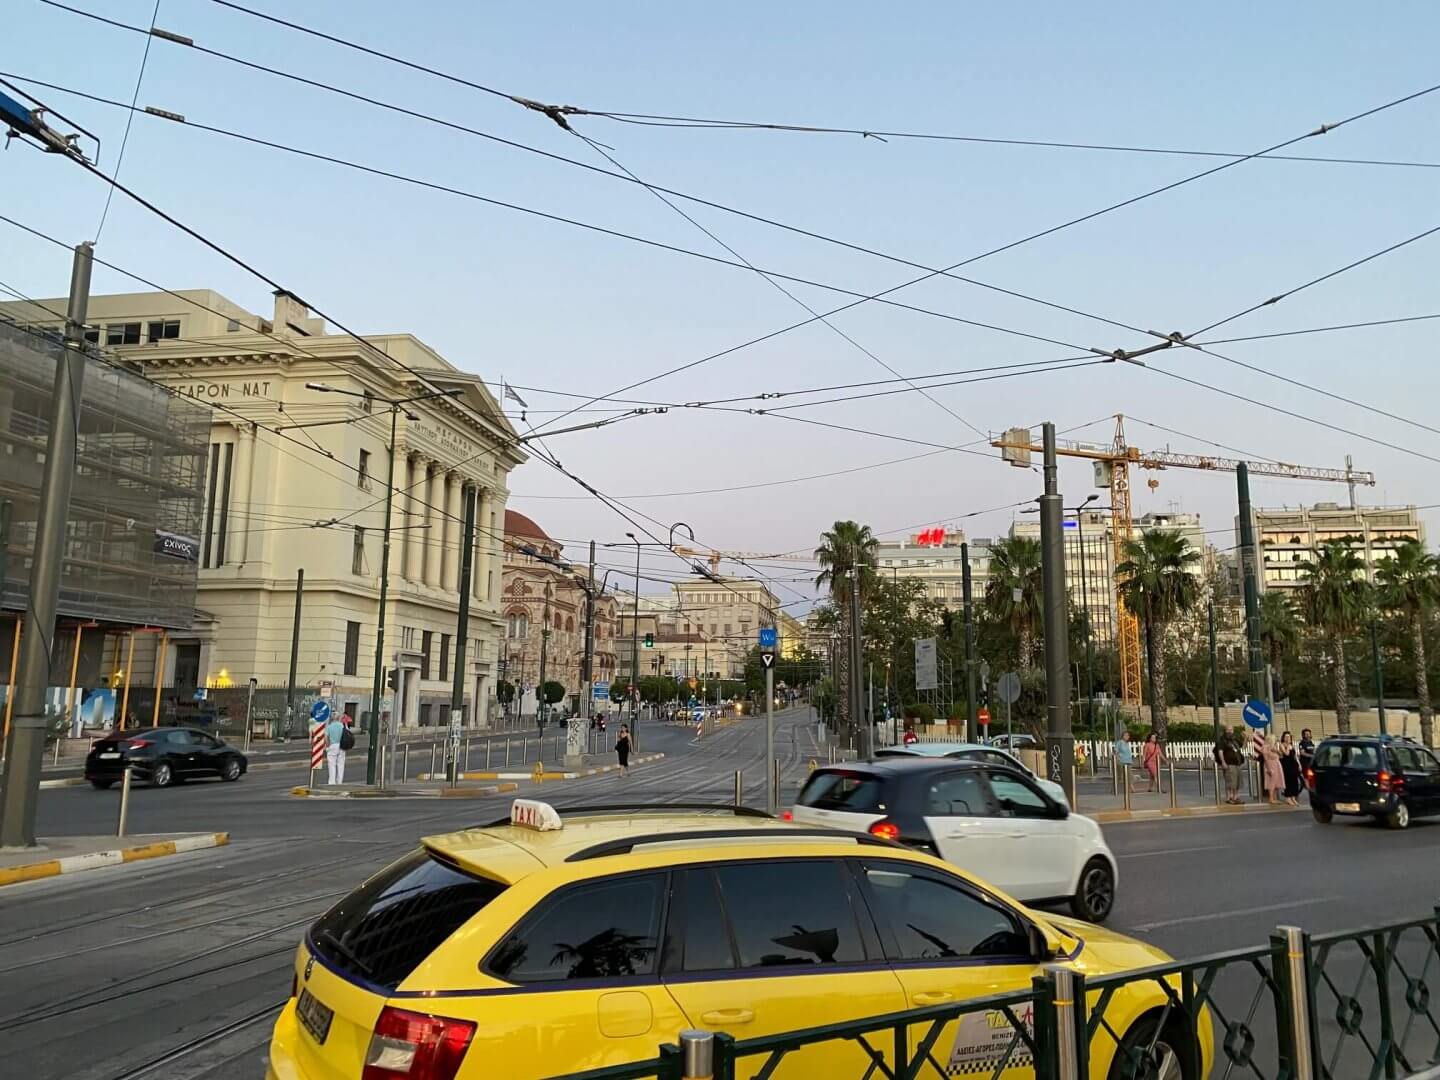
600, 691
768, 641
925, 665
1257, 713
1008, 690
317, 745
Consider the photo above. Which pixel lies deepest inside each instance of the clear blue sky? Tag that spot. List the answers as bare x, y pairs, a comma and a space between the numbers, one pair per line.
547, 305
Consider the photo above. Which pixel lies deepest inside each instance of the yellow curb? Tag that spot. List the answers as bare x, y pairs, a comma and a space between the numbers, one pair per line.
95, 860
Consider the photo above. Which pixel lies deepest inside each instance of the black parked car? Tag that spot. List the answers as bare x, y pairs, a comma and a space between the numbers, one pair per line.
162, 755
1382, 776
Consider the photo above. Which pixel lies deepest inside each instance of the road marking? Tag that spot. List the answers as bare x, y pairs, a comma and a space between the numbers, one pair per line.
1173, 851
1210, 915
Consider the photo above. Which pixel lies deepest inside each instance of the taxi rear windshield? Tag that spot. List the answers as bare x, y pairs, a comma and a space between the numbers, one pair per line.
856, 792
383, 930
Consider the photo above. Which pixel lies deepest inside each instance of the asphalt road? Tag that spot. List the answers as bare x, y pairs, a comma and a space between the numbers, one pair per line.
176, 967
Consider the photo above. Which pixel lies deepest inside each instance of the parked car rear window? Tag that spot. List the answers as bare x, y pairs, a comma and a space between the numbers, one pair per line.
1360, 756
857, 793
384, 929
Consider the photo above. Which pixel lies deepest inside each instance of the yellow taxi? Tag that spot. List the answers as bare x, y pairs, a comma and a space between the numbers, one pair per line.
540, 946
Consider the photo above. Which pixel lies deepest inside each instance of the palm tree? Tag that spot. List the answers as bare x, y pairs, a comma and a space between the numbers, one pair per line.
846, 553
1279, 629
1015, 572
1409, 583
1334, 598
1157, 581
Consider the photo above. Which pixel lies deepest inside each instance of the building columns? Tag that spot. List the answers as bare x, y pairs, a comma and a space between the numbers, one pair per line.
435, 524
240, 511
481, 540
414, 538
450, 548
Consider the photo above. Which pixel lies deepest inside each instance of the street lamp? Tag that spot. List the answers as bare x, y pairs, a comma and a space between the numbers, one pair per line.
635, 651
394, 403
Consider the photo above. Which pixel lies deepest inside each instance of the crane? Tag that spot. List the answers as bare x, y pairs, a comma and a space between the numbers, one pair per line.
1112, 470
715, 557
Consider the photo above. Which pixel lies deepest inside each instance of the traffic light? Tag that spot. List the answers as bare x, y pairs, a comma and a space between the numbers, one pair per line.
393, 679
649, 641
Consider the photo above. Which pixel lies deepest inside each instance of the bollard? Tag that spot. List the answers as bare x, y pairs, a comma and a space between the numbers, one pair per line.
1115, 774
1174, 794
776, 779
697, 1055
1125, 781
57, 750
405, 767
1200, 774
467, 755
488, 743
1062, 998
432, 761
739, 788
124, 801
1216, 764
1075, 806
1302, 1067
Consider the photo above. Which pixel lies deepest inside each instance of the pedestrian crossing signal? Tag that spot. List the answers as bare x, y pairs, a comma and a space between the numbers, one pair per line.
649, 641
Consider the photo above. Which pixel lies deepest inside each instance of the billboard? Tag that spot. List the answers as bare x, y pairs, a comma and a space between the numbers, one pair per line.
137, 495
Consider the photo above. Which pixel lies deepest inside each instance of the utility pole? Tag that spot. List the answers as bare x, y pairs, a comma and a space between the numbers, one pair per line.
575, 728
1250, 581
635, 654
772, 799
26, 751
1059, 736
373, 750
857, 652
294, 653
1214, 675
542, 707
972, 706
1379, 675
462, 633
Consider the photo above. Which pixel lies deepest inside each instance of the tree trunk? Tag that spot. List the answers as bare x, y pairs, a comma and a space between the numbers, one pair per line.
1159, 719
1027, 648
1342, 684
1422, 681
842, 668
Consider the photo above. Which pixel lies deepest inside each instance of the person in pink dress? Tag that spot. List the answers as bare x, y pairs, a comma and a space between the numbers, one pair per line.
1274, 775
1150, 755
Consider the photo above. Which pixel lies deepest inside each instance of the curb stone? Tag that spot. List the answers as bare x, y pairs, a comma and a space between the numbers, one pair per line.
426, 793
640, 759
95, 860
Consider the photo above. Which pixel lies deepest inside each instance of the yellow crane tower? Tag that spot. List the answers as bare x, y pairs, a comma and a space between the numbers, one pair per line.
1112, 470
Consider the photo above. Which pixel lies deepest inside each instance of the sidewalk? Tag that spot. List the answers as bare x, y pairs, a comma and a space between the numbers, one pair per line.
1097, 798
400, 791
73, 854
591, 766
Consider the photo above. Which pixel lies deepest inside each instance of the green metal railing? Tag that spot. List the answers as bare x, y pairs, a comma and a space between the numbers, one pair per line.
1342, 1006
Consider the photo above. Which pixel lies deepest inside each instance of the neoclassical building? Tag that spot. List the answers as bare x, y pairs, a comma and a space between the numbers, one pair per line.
295, 480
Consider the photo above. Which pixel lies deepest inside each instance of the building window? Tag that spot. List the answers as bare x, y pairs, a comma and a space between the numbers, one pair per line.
427, 637
362, 478
122, 333
163, 330
357, 552
444, 657
92, 336
352, 648
407, 637
518, 625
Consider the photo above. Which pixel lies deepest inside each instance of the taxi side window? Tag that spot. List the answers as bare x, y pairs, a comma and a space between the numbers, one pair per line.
928, 918
598, 930
698, 938
794, 914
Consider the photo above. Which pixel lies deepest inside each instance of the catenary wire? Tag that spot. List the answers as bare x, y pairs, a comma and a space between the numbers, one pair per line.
129, 119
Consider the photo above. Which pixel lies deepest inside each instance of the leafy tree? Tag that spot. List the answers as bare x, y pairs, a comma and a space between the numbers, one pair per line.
1279, 629
1015, 571
1155, 581
1334, 598
898, 612
846, 555
504, 692
554, 692
1409, 584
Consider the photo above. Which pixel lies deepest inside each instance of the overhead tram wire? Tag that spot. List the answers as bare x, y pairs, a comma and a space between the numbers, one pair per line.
544, 215
129, 119
1322, 130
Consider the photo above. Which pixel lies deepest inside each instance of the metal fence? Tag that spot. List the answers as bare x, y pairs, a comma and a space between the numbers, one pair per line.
1341, 1006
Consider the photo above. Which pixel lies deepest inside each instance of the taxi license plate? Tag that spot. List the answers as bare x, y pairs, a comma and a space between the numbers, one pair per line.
111, 754
1347, 807
313, 1016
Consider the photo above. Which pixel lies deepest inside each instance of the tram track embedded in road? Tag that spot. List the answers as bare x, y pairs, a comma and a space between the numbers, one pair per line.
198, 1043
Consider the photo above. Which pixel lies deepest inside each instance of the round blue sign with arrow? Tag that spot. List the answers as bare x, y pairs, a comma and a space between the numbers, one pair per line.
1257, 713
320, 711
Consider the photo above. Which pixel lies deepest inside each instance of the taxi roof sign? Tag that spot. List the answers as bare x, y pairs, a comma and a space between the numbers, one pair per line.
534, 814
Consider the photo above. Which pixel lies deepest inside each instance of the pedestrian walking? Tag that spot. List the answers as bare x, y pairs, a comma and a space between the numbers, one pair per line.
622, 749
335, 734
1124, 752
1290, 767
1306, 749
1229, 758
1150, 756
1273, 776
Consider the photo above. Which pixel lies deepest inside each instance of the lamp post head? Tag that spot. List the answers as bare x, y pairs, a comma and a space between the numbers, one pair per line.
320, 386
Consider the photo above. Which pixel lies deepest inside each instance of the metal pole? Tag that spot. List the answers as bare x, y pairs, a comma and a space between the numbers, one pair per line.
1379, 675
1089, 641
1297, 978
1214, 676
25, 746
372, 751
635, 655
129, 667
1174, 795
697, 1055
1125, 781
70, 694
1216, 764
857, 652
249, 706
739, 788
772, 800
1062, 999
405, 764
162, 650
433, 748
462, 632
124, 801
1059, 736
294, 653
1250, 580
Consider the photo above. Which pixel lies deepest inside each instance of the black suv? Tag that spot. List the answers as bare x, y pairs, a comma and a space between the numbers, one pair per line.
1380, 776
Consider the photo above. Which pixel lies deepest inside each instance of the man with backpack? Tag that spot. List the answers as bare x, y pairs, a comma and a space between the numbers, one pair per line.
338, 739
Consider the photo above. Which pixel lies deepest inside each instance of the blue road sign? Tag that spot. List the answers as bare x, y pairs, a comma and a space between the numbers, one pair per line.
699, 715
320, 711
768, 637
600, 691
1257, 713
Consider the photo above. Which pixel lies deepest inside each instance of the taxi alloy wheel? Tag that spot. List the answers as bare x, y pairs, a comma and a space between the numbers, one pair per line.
1399, 818
1149, 1054
1096, 895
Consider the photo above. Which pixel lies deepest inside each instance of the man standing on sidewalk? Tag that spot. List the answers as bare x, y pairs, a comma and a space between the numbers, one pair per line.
335, 749
1228, 757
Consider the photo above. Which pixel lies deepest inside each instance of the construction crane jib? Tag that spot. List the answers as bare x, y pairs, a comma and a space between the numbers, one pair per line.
1112, 470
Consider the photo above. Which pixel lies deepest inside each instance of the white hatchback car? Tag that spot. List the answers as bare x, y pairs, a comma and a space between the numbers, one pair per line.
989, 819
964, 751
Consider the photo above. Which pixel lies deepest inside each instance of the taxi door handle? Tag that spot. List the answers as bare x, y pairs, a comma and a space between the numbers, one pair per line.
932, 997
720, 1017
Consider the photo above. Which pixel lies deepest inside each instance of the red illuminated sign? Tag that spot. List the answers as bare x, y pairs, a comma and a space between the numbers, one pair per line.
930, 537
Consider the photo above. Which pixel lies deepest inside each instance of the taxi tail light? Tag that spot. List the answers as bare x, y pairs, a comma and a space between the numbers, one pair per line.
885, 829
416, 1046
